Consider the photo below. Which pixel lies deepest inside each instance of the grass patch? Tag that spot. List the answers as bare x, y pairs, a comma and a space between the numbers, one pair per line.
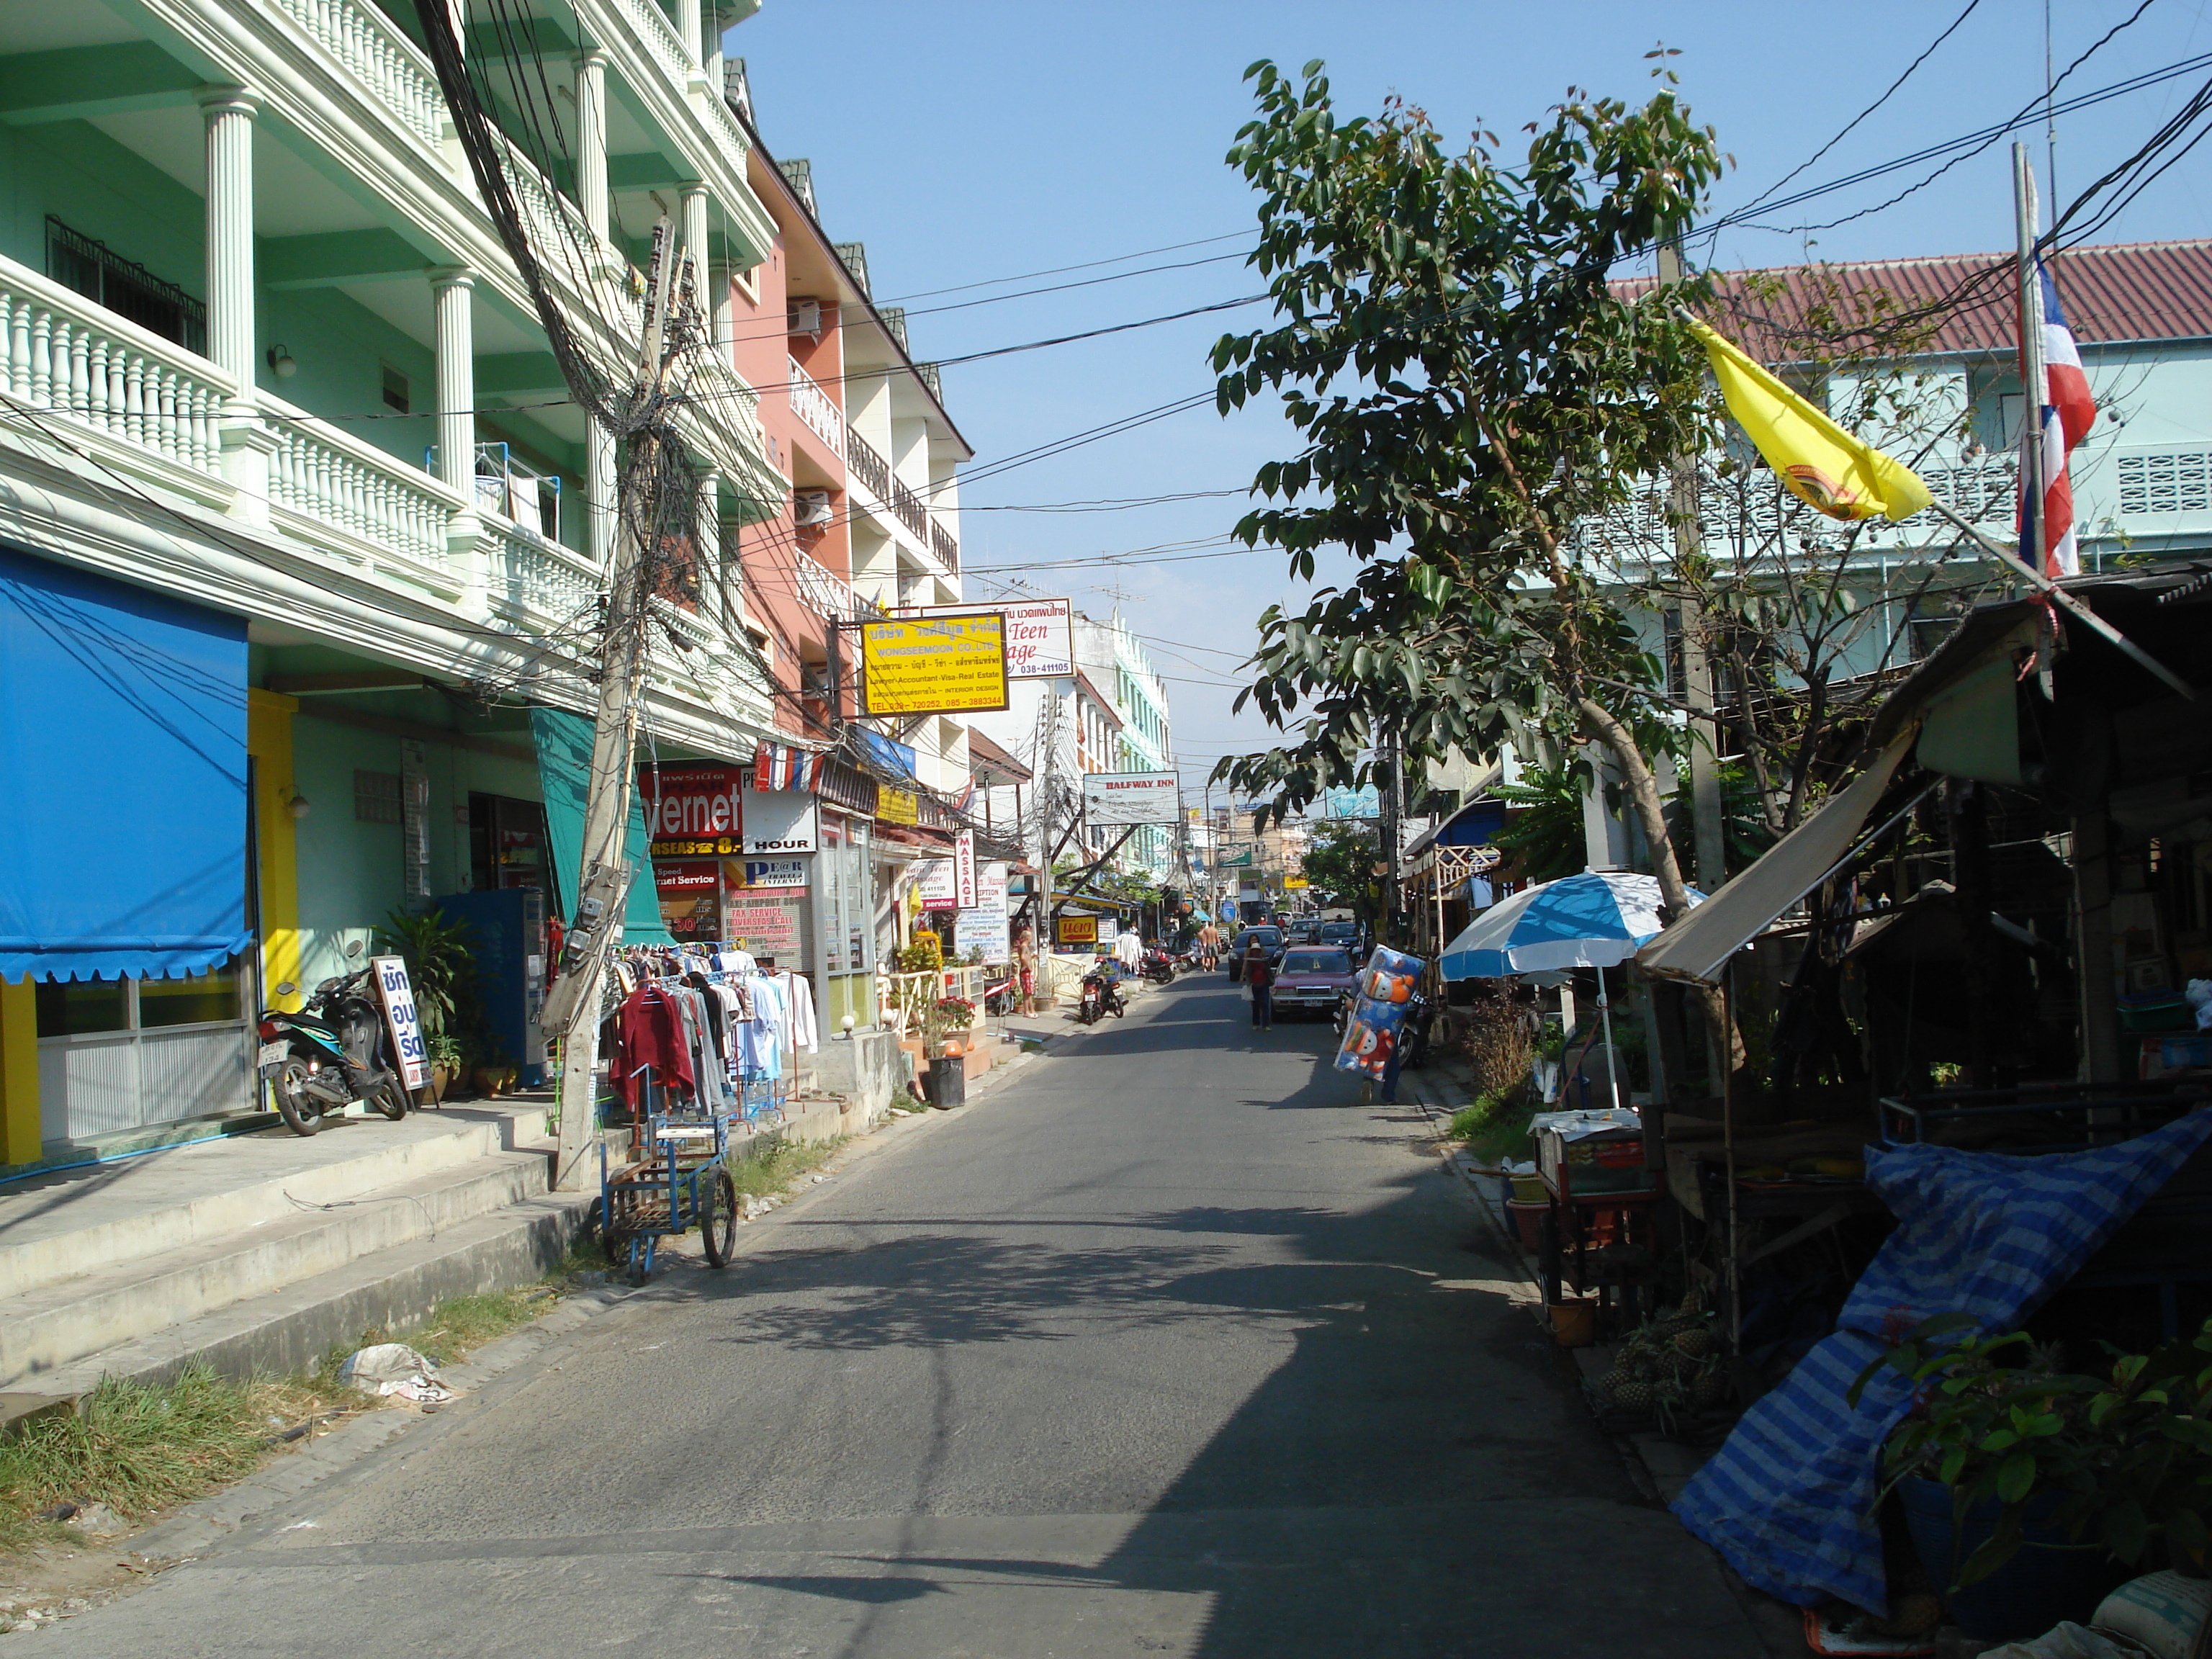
139, 1447
763, 1171
1495, 1128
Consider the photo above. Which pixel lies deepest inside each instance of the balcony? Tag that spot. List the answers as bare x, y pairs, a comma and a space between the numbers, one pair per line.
946, 546
813, 405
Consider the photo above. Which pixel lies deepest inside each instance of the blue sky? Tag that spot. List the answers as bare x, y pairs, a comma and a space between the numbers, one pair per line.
964, 141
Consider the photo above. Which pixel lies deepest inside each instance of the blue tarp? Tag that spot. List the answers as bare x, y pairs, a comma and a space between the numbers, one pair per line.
123, 767
564, 765
1789, 1499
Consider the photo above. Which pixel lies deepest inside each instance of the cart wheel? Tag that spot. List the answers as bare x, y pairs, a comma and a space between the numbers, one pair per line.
717, 1216
1547, 1254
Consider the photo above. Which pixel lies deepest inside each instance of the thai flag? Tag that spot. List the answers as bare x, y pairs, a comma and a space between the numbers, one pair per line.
2068, 411
967, 796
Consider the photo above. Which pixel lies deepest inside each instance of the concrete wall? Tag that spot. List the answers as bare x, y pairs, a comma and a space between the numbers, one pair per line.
867, 1067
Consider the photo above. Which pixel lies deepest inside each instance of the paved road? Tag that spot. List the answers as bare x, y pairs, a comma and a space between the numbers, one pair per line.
1166, 1348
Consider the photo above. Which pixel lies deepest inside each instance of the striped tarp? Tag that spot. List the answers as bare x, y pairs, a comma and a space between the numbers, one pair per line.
1789, 1499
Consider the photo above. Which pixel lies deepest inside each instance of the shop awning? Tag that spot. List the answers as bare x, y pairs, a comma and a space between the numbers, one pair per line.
564, 765
132, 705
1700, 943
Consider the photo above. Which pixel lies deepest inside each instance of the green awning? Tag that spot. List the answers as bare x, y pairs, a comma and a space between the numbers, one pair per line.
564, 762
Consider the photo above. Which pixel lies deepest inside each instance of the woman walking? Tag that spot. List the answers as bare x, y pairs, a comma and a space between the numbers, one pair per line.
1260, 975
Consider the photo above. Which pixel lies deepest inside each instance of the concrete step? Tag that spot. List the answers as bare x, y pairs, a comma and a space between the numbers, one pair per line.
45, 1328
288, 1331
68, 1223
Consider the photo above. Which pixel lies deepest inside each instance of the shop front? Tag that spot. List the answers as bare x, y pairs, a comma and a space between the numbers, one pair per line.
127, 965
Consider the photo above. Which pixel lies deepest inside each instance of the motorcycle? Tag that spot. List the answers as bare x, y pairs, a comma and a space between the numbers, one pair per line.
1158, 967
1345, 998
330, 1054
1413, 1035
1101, 995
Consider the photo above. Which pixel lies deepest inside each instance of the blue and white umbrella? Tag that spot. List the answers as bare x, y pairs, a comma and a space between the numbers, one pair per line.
1594, 919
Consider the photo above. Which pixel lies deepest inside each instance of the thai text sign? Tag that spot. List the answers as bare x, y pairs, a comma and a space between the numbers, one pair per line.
394, 991
1125, 798
1040, 635
897, 805
945, 665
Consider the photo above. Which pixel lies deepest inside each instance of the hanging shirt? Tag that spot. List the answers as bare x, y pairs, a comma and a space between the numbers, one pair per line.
798, 1001
649, 1031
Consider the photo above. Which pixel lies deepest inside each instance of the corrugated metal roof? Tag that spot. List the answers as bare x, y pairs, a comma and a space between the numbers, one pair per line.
2118, 292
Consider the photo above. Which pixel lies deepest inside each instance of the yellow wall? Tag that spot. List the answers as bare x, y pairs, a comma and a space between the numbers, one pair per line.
19, 1073
269, 740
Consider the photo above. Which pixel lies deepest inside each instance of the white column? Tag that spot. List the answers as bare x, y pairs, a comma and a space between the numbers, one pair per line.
706, 512
689, 25
695, 240
457, 379
598, 491
592, 138
230, 112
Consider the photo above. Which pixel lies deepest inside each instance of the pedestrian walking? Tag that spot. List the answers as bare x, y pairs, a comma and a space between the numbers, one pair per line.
1259, 975
1129, 951
1209, 947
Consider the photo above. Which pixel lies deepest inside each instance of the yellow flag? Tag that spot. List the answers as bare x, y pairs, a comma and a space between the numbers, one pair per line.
1818, 460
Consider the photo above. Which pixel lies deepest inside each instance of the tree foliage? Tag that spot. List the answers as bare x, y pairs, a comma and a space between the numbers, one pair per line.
1467, 386
1339, 862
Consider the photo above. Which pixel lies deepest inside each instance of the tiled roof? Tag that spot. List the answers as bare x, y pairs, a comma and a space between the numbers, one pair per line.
2118, 291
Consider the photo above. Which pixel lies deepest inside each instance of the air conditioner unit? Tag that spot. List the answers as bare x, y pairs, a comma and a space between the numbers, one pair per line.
805, 317
811, 507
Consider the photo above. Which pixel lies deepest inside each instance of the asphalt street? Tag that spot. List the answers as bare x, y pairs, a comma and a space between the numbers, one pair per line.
1167, 1347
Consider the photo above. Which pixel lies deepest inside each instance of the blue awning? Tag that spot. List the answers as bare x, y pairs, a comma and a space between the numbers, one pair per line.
564, 762
123, 768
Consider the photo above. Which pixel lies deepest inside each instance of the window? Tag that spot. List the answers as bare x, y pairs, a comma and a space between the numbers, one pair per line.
395, 391
376, 797
98, 272
506, 843
91, 1007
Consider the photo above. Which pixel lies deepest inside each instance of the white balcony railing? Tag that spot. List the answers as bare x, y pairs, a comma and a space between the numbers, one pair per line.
69, 356
652, 27
379, 57
339, 482
534, 579
813, 405
827, 595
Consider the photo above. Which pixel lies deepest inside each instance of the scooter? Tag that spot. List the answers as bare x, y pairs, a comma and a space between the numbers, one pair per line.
1158, 967
1413, 1035
330, 1054
1101, 995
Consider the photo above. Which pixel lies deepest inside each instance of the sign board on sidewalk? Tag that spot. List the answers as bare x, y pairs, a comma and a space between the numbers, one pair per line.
1040, 635
397, 995
953, 664
985, 924
1113, 800
936, 886
963, 870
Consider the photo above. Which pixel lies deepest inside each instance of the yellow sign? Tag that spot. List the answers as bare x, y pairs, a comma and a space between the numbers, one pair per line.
1079, 930
897, 806
1293, 883
935, 664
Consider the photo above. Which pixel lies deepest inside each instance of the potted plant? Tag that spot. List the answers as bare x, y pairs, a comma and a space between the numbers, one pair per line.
445, 1055
948, 1075
2022, 1482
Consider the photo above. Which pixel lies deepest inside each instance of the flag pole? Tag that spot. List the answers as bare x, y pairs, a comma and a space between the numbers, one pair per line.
2033, 375
2067, 602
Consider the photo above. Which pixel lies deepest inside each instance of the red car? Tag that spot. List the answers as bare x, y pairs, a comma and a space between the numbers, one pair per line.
1308, 979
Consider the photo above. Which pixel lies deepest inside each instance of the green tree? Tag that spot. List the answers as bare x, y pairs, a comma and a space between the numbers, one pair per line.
1468, 388
1339, 861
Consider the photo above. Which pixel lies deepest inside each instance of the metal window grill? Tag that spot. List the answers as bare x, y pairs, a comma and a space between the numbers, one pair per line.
377, 798
124, 287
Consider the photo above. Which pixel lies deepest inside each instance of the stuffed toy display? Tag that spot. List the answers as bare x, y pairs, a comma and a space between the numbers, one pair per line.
1386, 987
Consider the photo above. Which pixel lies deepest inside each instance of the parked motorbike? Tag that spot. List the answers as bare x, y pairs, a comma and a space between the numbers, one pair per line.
330, 1054
1101, 995
1413, 1035
1158, 967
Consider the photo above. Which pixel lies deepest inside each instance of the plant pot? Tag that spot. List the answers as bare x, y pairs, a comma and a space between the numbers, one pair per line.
441, 1078
2051, 1577
948, 1081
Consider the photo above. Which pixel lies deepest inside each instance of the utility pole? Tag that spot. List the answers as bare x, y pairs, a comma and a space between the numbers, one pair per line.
614, 732
1391, 781
1697, 668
